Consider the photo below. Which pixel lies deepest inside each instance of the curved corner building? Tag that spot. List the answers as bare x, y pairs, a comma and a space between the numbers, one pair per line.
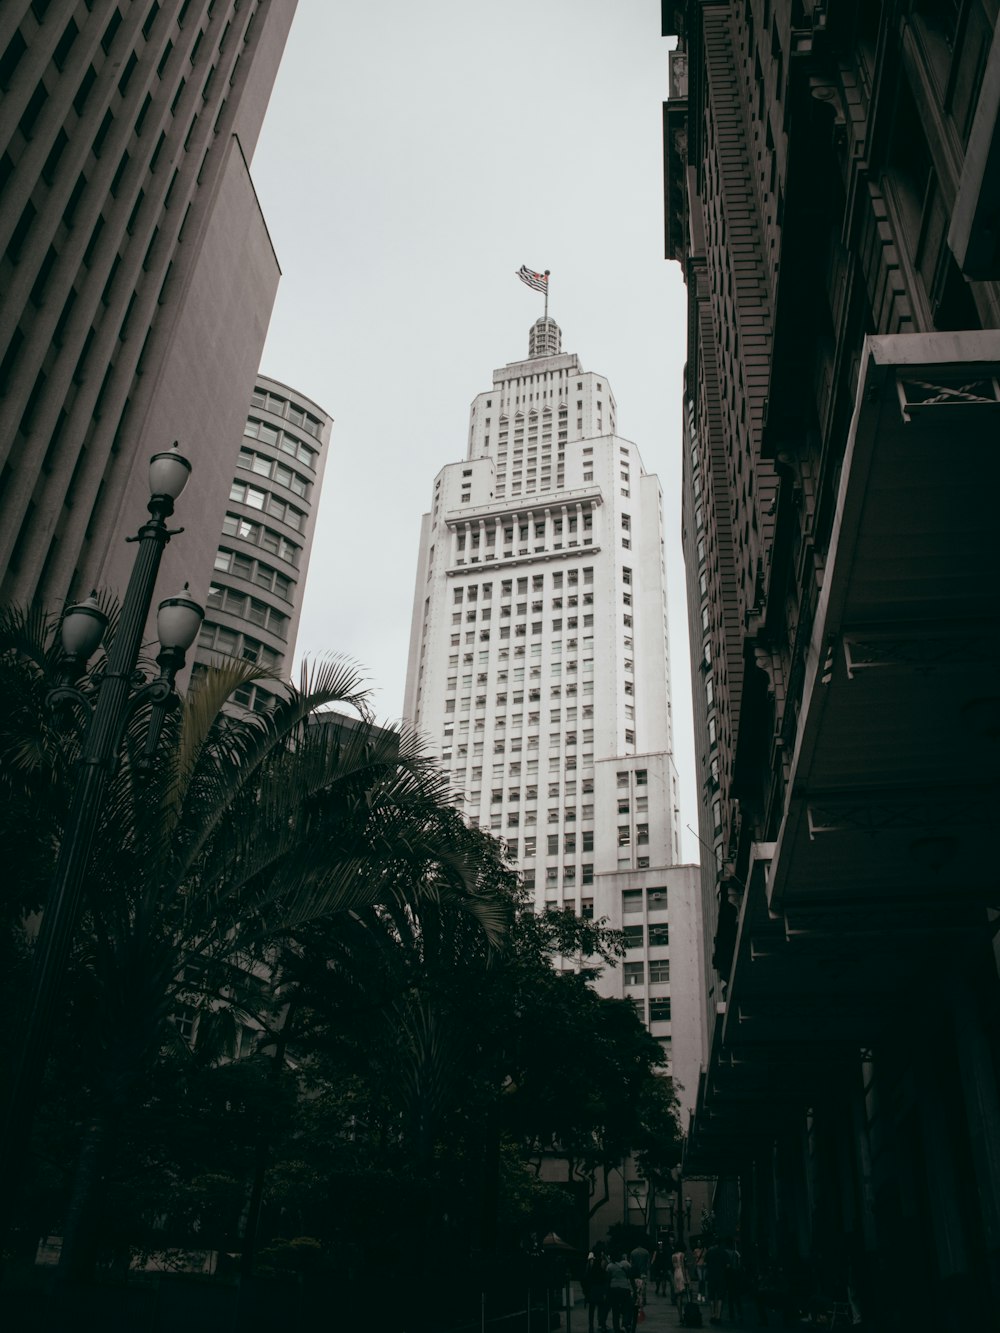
255, 597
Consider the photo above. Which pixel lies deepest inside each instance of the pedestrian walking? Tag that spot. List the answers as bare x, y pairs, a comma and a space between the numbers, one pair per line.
699, 1266
620, 1293
678, 1276
716, 1260
595, 1288
639, 1259
639, 1300
659, 1269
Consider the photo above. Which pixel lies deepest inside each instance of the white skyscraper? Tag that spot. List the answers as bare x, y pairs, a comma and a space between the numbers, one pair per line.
539, 670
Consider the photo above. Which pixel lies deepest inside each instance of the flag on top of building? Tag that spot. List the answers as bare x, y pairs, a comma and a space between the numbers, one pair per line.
540, 281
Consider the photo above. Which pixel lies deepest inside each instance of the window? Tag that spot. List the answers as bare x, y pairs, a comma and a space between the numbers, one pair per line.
633, 937
634, 974
659, 1009
632, 902
659, 934
659, 970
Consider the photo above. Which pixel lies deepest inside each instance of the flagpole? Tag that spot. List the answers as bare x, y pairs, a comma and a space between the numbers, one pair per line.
546, 293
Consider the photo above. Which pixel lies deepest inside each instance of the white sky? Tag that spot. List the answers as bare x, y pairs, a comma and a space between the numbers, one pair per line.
412, 158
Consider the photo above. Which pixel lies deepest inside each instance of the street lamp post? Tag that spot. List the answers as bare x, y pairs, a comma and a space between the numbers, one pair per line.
119, 694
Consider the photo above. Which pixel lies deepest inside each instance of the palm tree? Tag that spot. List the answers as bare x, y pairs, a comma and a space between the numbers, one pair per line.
250, 827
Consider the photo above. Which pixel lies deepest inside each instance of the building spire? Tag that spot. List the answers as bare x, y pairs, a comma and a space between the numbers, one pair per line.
544, 337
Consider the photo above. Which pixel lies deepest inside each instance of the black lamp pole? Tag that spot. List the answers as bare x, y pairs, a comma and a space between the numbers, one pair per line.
115, 701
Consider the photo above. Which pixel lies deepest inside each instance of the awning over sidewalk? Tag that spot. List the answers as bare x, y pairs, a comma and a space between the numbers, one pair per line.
885, 851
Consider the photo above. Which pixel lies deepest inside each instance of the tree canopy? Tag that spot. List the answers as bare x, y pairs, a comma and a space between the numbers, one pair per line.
306, 999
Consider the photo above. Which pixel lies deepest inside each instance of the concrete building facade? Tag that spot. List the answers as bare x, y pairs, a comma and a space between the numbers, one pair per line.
538, 669
137, 272
255, 597
829, 175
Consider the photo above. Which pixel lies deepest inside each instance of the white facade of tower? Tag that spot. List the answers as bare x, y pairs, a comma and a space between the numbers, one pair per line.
538, 670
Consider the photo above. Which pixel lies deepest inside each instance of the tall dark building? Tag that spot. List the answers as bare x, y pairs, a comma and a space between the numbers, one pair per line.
832, 180
136, 271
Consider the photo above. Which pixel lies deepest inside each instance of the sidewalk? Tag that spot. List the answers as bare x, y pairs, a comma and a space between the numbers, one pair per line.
662, 1317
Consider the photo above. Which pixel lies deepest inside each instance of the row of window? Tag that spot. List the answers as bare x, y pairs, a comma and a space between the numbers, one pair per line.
504, 675
520, 608
543, 377
659, 934
531, 765
519, 649
515, 744
254, 571
235, 525
474, 539
288, 444
521, 630
634, 974
248, 608
530, 817
554, 875
281, 407
529, 487
569, 714
641, 804
559, 579
564, 815
242, 492
519, 470
221, 639
586, 843
534, 649
263, 466
654, 898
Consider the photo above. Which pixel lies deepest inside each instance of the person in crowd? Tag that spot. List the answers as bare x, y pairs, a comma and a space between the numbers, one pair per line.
691, 1273
678, 1275
699, 1265
638, 1300
639, 1260
659, 1269
620, 1293
595, 1287
716, 1261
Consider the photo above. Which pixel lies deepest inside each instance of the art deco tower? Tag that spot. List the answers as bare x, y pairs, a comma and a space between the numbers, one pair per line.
539, 666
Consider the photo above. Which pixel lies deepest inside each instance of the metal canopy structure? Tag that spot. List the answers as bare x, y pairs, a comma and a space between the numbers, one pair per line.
879, 868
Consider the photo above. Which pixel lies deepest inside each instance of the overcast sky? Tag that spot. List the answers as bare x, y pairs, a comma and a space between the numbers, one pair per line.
413, 157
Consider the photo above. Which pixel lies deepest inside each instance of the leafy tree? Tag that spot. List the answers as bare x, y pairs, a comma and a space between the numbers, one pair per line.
444, 1070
